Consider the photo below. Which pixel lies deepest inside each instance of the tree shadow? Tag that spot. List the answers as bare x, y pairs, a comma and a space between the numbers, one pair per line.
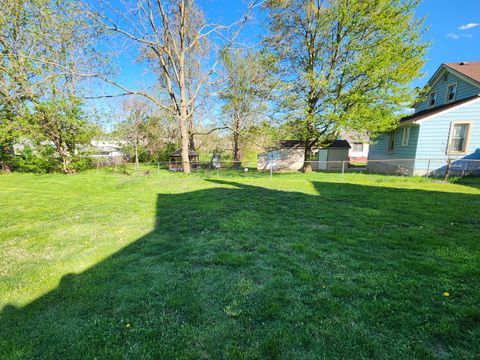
239, 271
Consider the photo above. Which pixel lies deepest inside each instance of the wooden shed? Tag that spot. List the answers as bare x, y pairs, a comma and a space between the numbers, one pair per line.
175, 160
332, 156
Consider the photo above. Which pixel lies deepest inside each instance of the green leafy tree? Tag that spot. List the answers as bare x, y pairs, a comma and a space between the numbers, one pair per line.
346, 64
62, 122
248, 90
42, 44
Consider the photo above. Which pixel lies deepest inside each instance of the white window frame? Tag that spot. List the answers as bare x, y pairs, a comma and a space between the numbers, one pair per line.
454, 95
406, 136
358, 143
391, 135
466, 140
429, 95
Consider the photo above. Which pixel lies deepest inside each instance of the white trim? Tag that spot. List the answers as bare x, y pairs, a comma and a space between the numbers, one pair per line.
464, 77
454, 96
454, 72
466, 139
406, 136
428, 99
441, 112
392, 134
437, 75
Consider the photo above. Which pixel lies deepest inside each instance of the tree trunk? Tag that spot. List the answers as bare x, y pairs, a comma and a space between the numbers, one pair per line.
62, 150
191, 132
183, 115
185, 140
6, 155
136, 156
236, 149
307, 159
191, 141
67, 169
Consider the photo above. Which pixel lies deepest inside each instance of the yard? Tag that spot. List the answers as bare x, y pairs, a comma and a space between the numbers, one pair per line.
109, 266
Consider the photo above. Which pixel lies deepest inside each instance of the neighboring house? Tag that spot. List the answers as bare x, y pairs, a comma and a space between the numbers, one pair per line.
359, 146
289, 156
108, 148
446, 125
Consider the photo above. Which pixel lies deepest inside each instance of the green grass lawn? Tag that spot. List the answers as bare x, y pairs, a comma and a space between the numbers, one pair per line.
210, 266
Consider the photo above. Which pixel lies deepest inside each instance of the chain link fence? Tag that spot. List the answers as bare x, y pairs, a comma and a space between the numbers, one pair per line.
441, 168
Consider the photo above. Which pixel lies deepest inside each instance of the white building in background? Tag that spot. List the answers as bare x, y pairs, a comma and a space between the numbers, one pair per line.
289, 155
108, 148
359, 146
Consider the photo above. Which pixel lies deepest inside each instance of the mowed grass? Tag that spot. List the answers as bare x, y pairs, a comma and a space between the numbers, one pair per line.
238, 266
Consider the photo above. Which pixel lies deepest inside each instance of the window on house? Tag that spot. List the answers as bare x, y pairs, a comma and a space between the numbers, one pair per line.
357, 147
432, 99
459, 137
451, 92
406, 136
391, 141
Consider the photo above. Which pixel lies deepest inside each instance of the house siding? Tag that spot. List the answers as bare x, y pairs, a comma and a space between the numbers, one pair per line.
428, 144
464, 90
435, 134
398, 160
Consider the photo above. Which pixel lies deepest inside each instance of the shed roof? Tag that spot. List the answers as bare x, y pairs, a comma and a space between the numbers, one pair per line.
178, 153
338, 144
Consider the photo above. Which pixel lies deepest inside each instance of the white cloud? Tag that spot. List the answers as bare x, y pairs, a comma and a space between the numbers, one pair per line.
468, 26
458, 36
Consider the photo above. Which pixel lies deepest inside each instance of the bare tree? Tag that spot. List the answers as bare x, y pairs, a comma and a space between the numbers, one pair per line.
172, 36
134, 127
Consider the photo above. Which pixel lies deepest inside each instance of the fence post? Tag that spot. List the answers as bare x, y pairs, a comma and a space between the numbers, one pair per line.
271, 169
428, 167
447, 170
343, 168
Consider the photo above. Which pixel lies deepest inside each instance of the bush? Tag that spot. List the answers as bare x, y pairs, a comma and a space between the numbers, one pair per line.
82, 162
43, 159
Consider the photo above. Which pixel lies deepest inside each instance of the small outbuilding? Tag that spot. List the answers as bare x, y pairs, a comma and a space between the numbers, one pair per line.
332, 156
289, 156
175, 160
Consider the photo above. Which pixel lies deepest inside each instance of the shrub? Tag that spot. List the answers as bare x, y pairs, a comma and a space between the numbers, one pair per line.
41, 160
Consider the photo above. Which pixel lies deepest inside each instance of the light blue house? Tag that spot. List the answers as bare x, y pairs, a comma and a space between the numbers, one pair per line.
446, 125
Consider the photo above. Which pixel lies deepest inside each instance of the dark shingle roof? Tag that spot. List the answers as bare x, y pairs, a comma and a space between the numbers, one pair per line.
428, 112
338, 144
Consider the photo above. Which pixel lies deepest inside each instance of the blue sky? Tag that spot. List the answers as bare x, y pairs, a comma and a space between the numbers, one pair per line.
451, 39
453, 28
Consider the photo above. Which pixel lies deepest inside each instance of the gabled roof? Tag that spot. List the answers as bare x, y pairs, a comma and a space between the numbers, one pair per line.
470, 69
178, 153
436, 110
291, 143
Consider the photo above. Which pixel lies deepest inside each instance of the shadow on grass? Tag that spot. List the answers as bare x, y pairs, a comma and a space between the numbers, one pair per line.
240, 271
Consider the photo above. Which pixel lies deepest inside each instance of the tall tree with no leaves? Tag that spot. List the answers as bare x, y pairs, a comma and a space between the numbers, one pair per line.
347, 64
171, 35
